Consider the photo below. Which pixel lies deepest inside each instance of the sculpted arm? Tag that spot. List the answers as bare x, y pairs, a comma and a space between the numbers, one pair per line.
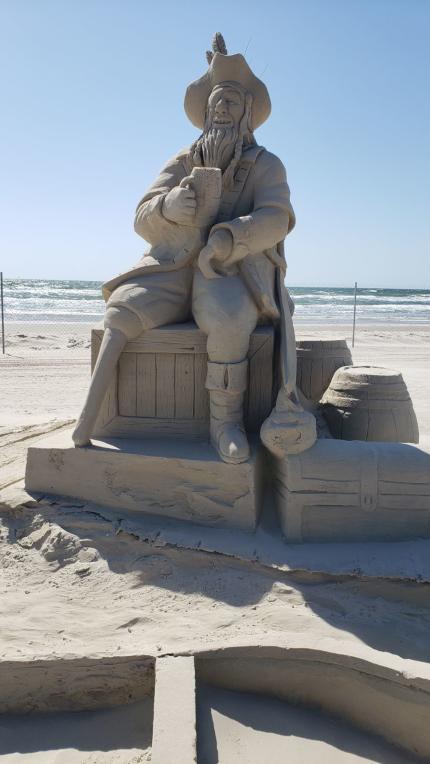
268, 223
165, 205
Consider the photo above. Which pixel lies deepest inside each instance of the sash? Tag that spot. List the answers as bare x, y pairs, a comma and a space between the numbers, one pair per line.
230, 196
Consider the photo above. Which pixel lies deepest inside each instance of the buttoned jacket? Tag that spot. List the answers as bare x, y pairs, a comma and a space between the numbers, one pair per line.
259, 217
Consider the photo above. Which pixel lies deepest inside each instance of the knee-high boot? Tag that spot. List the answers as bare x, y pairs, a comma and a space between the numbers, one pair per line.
227, 383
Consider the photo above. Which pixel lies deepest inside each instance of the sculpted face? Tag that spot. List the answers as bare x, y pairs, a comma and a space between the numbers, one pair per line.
225, 125
226, 107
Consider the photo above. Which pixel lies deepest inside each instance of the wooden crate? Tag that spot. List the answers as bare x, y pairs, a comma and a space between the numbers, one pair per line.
159, 387
354, 491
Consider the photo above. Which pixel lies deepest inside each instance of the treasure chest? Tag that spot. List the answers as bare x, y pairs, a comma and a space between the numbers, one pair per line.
353, 490
159, 390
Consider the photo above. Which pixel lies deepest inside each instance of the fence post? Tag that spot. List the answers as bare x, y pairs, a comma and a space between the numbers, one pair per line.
355, 312
2, 311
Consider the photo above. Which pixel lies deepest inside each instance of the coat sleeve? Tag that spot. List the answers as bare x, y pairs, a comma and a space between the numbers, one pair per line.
272, 216
149, 221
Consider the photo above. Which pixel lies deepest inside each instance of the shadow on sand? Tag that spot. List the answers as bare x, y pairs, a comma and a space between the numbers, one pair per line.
234, 726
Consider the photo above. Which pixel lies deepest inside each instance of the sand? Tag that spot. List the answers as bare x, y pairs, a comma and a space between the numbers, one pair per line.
110, 736
236, 727
75, 583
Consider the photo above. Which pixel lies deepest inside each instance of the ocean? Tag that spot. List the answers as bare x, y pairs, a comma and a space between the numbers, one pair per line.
47, 301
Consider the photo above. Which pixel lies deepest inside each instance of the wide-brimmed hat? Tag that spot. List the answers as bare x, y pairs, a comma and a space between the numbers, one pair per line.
231, 69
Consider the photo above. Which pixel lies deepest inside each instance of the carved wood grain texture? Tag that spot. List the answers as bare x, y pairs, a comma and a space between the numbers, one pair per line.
152, 427
165, 393
161, 383
146, 380
317, 360
360, 481
201, 395
184, 386
127, 392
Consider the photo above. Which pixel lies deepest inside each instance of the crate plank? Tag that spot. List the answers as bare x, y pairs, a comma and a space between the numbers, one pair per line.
146, 377
184, 386
165, 394
160, 383
127, 385
150, 428
201, 396
183, 338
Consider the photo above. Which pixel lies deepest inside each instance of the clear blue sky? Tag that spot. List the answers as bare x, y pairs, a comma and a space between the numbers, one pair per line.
92, 94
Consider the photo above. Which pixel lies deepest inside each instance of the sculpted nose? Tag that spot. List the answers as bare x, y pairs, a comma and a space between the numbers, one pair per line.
221, 107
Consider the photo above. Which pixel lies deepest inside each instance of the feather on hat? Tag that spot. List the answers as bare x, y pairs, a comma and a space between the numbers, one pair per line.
225, 68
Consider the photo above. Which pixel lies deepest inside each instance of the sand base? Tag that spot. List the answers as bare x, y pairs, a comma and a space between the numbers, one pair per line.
78, 583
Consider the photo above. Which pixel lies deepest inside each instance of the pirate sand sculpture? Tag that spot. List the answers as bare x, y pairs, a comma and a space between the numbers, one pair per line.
216, 218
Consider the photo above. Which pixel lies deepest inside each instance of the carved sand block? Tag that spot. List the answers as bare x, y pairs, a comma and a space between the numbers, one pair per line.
370, 403
159, 387
352, 491
184, 480
317, 361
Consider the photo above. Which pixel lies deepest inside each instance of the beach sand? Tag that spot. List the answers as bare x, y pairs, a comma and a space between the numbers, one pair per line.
72, 586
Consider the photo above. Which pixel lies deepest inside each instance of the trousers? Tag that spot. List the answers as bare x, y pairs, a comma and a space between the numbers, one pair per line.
222, 308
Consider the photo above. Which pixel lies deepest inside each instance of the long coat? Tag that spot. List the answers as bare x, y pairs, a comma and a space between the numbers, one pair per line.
258, 214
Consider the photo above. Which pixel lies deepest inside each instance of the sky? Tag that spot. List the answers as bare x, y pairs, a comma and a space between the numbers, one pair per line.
92, 107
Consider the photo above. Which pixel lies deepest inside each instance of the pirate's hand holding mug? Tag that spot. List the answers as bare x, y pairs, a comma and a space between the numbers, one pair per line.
179, 205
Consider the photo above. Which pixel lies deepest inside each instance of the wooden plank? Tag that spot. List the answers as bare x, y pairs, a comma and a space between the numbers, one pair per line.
184, 386
111, 399
146, 380
306, 365
127, 385
184, 338
317, 383
165, 393
408, 502
404, 489
260, 386
151, 427
201, 395
173, 338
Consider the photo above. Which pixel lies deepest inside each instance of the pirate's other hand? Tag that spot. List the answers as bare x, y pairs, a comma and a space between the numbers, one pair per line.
218, 249
179, 205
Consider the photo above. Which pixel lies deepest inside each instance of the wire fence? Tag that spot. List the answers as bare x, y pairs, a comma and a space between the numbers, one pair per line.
53, 316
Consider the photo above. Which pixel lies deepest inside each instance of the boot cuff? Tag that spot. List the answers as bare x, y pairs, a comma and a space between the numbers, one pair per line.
229, 377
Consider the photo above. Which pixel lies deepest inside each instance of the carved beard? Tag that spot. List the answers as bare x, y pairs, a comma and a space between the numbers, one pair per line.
217, 146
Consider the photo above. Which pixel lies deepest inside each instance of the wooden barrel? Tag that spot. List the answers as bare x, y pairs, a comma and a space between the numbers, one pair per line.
317, 360
370, 403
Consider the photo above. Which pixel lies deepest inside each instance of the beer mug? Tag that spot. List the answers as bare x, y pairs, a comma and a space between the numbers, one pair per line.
206, 182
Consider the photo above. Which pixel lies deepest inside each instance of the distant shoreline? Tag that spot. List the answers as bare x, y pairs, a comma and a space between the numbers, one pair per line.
78, 302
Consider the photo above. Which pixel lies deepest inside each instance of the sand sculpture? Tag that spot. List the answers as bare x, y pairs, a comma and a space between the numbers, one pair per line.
183, 414
275, 652
216, 218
